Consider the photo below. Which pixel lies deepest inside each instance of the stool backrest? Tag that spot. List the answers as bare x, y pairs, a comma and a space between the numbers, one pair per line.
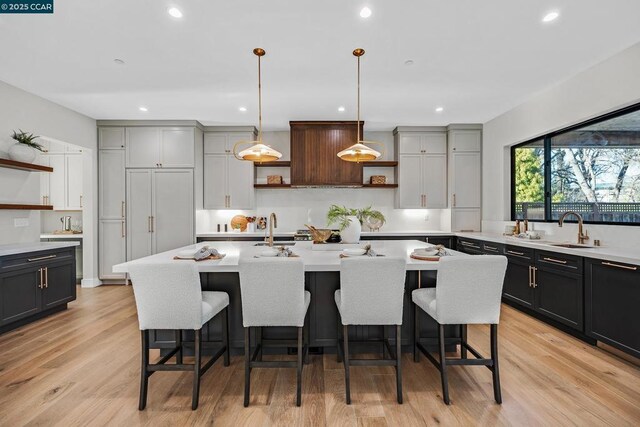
272, 291
372, 290
469, 289
168, 296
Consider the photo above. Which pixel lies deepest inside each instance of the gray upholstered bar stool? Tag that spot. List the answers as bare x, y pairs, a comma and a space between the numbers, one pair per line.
272, 292
371, 293
169, 296
468, 291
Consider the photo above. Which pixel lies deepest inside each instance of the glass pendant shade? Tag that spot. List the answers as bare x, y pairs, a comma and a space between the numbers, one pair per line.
257, 152
359, 152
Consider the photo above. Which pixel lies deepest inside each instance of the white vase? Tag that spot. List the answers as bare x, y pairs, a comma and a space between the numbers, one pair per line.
351, 234
251, 227
22, 153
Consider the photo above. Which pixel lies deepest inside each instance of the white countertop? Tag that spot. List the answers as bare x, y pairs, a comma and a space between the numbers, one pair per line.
291, 233
313, 260
629, 256
20, 248
61, 236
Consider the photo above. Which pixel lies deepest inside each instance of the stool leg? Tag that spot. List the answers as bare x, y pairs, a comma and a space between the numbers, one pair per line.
307, 338
495, 369
299, 370
398, 363
144, 377
196, 370
347, 379
338, 333
416, 333
463, 337
225, 334
259, 342
385, 353
179, 345
247, 368
443, 366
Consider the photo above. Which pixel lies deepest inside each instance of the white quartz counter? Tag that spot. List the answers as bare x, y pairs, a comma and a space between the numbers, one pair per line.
628, 256
313, 260
365, 234
21, 248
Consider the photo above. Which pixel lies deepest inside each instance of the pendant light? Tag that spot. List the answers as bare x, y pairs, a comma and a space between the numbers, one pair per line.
257, 152
359, 152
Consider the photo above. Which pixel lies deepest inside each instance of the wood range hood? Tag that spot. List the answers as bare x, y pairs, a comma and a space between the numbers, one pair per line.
314, 154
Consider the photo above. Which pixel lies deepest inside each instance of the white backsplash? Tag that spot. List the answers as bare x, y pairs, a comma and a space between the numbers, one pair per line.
50, 220
295, 207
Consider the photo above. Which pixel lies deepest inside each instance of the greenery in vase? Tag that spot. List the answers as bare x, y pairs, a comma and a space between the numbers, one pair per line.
27, 139
339, 215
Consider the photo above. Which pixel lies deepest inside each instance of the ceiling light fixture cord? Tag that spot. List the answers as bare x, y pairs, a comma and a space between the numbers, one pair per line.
358, 123
259, 100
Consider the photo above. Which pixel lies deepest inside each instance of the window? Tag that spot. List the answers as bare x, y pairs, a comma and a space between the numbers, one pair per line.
592, 168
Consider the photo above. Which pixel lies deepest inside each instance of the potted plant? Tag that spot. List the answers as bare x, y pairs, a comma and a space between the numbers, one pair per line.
24, 150
349, 221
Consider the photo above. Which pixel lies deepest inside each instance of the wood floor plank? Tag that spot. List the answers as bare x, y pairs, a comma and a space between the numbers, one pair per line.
81, 367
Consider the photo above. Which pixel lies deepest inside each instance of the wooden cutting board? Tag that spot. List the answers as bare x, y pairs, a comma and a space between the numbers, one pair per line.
239, 221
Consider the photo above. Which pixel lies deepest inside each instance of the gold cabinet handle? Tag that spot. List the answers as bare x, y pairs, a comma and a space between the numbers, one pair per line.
149, 224
557, 261
491, 248
471, 245
626, 267
534, 284
123, 232
153, 225
122, 209
454, 200
530, 276
41, 284
515, 253
41, 258
46, 277
81, 200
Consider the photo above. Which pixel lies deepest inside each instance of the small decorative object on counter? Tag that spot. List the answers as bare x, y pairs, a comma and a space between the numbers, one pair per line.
350, 221
378, 179
274, 179
24, 150
251, 224
226, 228
319, 235
218, 228
239, 223
261, 223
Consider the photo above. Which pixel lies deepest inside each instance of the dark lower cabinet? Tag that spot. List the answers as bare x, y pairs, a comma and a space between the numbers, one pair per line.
469, 246
517, 283
612, 304
35, 284
558, 295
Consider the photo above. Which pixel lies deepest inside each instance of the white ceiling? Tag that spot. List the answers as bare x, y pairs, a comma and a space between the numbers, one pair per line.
475, 58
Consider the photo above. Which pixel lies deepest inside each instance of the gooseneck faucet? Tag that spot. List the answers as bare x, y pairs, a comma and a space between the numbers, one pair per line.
273, 223
582, 237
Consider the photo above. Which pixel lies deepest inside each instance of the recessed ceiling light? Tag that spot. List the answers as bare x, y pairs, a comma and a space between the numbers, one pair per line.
144, 109
118, 61
175, 12
341, 108
365, 12
439, 109
243, 109
408, 62
551, 16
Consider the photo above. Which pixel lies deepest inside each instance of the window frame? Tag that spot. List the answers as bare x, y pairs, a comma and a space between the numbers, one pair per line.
546, 138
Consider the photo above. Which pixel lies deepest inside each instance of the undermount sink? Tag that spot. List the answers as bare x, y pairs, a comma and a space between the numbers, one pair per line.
287, 243
573, 245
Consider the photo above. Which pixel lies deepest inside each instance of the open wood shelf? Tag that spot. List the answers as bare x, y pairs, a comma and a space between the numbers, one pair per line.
380, 164
12, 164
271, 185
13, 206
380, 186
278, 164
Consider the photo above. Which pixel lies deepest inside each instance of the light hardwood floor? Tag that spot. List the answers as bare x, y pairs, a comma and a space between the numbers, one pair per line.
81, 367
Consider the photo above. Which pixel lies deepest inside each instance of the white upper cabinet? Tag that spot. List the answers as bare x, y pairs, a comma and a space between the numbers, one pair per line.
222, 143
240, 177
111, 138
57, 182
177, 148
465, 140
73, 172
465, 178
215, 181
422, 169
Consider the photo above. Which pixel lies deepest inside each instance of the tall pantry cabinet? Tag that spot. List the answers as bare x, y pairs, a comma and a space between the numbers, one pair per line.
465, 177
148, 178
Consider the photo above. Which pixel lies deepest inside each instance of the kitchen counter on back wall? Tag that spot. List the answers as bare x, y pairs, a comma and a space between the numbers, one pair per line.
291, 233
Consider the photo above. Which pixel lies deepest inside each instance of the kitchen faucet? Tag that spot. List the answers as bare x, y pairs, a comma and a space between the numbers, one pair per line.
273, 222
581, 237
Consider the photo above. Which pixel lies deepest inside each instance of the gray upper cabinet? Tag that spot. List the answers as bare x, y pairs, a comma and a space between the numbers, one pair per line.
111, 138
465, 177
153, 147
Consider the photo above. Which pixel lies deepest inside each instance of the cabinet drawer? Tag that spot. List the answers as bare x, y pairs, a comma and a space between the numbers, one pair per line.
493, 248
35, 258
559, 261
470, 244
518, 252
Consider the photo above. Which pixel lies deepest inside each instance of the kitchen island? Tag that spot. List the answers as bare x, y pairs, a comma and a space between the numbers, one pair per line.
322, 279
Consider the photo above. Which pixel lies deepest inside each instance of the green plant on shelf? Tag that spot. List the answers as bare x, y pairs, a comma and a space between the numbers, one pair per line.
27, 139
